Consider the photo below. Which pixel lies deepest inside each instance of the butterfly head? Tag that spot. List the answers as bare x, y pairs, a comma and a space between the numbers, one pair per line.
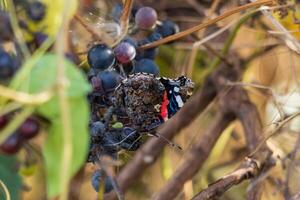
186, 87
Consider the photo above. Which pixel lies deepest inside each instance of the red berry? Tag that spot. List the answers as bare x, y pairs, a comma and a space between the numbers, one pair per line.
29, 128
12, 144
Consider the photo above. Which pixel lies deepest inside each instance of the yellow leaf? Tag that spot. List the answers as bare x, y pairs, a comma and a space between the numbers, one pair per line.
289, 21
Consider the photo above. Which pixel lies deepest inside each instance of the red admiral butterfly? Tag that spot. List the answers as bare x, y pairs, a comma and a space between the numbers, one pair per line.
148, 101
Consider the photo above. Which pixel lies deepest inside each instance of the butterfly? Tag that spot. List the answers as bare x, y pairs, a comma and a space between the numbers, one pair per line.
149, 101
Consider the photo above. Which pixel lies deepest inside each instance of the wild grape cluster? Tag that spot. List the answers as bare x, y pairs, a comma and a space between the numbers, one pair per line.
129, 98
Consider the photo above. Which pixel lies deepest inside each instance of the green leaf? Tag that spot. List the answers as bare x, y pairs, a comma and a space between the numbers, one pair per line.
43, 76
54, 144
9, 176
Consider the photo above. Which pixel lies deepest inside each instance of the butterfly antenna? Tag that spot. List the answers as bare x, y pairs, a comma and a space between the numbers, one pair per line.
170, 143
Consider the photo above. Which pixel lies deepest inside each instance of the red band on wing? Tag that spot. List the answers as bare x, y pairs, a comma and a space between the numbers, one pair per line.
164, 107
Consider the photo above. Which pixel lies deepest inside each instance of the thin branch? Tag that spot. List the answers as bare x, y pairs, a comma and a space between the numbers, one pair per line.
273, 132
248, 169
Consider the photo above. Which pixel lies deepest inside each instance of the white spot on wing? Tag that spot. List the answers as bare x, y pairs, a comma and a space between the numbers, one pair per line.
176, 89
179, 101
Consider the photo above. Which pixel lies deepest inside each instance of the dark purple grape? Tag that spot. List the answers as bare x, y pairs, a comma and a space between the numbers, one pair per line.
97, 129
134, 11
29, 128
154, 36
167, 28
6, 32
6, 65
130, 139
109, 79
148, 53
12, 144
96, 84
100, 57
147, 66
116, 12
145, 18
131, 41
91, 73
124, 52
151, 38
39, 38
3, 121
96, 180
36, 11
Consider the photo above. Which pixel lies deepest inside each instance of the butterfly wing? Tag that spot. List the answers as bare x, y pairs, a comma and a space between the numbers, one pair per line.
174, 99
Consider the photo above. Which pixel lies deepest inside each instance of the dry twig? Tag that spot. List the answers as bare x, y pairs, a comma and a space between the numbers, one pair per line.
248, 169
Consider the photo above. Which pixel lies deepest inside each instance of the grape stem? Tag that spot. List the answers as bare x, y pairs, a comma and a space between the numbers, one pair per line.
124, 20
206, 24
